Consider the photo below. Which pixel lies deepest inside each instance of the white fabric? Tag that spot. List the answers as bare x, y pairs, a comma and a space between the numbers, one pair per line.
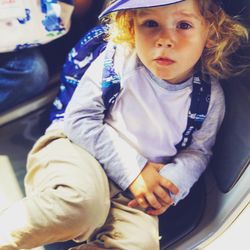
144, 104
23, 24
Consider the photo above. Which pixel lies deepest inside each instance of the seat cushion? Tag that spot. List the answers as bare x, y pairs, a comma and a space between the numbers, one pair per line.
180, 220
232, 149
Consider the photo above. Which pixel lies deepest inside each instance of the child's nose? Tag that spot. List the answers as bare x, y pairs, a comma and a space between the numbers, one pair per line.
165, 39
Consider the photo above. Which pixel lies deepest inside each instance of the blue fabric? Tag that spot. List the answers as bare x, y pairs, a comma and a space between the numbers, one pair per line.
78, 61
197, 111
67, 1
23, 75
52, 22
110, 80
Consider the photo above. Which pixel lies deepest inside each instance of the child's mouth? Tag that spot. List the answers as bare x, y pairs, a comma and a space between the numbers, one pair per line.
164, 61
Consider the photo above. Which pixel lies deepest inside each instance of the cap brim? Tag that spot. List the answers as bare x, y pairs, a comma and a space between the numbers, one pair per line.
135, 4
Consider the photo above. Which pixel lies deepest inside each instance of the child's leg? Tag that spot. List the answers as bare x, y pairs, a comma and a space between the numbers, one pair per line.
126, 228
67, 197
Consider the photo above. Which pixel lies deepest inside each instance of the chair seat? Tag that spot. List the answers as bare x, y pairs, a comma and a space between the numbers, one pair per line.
183, 218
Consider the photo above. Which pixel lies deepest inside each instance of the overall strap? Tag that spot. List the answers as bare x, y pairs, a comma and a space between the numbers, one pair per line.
110, 80
200, 99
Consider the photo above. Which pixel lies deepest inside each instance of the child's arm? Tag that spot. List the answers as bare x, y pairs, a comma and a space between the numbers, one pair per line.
85, 126
188, 165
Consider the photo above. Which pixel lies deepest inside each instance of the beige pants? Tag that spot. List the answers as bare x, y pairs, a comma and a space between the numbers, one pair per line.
69, 197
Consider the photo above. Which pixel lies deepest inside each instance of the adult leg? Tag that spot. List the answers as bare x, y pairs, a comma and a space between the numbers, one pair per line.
23, 75
67, 197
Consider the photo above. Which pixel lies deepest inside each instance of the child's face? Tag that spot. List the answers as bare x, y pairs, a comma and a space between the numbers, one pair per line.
169, 40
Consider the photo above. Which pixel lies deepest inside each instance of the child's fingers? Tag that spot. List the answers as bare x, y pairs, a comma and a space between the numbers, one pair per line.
163, 195
169, 185
156, 212
150, 201
133, 203
142, 202
153, 201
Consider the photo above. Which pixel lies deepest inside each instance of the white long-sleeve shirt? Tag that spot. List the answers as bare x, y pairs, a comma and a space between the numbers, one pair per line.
144, 124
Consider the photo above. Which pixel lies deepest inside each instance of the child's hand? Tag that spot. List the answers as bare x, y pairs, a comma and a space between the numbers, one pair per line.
150, 210
151, 190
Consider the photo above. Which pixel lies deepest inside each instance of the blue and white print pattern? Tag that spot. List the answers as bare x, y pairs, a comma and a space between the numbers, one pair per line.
78, 61
29, 23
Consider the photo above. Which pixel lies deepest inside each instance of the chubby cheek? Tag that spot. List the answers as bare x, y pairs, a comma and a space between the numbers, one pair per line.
197, 53
191, 51
143, 48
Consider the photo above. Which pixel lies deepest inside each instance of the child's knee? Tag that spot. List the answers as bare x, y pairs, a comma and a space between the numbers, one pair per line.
90, 212
76, 211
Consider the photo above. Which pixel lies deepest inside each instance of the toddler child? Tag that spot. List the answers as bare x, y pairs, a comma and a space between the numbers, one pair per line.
142, 120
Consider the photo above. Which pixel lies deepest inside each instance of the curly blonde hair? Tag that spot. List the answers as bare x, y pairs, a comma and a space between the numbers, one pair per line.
226, 35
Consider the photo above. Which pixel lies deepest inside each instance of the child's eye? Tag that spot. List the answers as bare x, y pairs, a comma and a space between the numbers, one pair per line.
150, 24
184, 26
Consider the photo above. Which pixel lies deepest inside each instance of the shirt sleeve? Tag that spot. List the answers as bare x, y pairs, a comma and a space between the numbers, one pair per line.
189, 164
84, 124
